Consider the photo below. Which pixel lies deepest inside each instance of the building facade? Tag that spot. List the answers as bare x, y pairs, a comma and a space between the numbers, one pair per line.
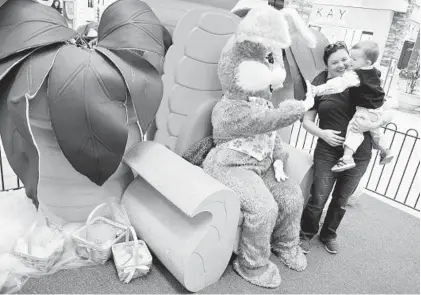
389, 23
81, 12
393, 24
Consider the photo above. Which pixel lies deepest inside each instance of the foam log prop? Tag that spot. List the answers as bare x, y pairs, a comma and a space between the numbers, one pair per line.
187, 218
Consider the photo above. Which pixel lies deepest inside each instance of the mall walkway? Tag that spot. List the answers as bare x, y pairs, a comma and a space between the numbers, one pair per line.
379, 254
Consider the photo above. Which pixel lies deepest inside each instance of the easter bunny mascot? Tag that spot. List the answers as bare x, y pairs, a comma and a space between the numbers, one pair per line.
248, 156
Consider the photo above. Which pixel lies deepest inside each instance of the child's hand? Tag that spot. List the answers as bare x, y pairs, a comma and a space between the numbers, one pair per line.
278, 166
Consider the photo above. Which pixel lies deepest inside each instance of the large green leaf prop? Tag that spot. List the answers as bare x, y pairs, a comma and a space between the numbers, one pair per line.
25, 81
140, 77
26, 24
32, 73
136, 20
139, 22
26, 84
12, 61
21, 154
86, 93
86, 87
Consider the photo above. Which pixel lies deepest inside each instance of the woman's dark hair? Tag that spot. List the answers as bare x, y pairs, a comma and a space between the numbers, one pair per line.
332, 48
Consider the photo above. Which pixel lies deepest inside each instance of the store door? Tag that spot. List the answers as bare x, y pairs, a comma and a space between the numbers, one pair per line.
405, 54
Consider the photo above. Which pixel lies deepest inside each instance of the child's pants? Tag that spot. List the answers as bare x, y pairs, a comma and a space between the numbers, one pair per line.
368, 118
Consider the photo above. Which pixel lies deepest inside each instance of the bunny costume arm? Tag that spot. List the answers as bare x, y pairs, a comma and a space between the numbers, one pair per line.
238, 118
279, 152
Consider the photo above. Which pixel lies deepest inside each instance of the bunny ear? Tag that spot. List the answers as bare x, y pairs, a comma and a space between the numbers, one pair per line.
243, 6
297, 25
264, 25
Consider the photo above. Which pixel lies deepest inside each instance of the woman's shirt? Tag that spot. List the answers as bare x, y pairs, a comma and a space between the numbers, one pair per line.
364, 87
335, 111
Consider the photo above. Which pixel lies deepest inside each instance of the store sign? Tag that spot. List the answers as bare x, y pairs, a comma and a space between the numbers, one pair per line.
329, 15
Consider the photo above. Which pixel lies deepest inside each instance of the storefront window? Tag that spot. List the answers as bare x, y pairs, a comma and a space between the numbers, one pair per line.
366, 36
348, 35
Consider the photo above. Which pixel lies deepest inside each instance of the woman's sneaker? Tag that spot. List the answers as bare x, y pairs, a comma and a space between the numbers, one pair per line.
386, 157
331, 246
344, 164
305, 246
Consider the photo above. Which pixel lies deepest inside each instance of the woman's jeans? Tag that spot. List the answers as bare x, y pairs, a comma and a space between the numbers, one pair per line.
325, 157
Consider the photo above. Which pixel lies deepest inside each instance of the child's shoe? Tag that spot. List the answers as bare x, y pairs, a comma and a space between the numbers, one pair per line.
386, 157
343, 164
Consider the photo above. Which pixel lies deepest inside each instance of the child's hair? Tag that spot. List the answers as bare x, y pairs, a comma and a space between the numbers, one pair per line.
370, 50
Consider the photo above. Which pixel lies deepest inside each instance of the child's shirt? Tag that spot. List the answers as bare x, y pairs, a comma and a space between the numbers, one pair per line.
364, 87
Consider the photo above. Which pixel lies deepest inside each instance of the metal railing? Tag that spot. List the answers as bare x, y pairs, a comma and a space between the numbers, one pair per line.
8, 180
395, 181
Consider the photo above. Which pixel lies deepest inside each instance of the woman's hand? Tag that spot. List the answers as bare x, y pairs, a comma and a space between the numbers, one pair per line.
331, 137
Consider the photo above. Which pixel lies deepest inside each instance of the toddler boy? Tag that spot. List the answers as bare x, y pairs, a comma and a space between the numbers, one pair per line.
364, 83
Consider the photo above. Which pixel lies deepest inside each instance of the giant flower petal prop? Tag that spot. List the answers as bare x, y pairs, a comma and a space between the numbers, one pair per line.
86, 86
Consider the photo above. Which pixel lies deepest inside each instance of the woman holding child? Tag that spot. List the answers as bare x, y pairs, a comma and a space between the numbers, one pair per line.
335, 111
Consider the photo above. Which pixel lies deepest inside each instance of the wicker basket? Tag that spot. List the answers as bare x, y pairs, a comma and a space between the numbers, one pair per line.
136, 262
88, 248
43, 264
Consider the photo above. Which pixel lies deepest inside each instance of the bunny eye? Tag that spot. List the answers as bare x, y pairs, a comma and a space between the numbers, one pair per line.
269, 58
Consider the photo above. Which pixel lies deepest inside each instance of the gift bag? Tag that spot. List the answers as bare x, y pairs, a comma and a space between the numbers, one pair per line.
95, 239
132, 259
